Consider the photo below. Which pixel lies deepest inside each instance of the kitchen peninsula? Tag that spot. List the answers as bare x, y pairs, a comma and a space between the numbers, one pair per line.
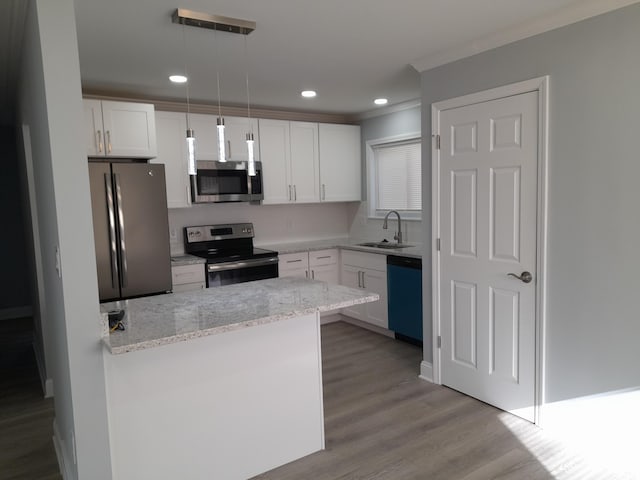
220, 383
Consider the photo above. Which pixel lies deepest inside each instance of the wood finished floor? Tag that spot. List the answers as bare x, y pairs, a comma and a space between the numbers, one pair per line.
383, 423
26, 418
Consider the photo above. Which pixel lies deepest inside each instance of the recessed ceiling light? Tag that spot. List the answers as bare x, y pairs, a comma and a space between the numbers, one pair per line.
178, 79
308, 93
380, 101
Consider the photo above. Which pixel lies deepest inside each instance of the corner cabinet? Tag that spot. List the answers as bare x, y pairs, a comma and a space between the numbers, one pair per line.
366, 271
340, 163
119, 129
172, 152
290, 161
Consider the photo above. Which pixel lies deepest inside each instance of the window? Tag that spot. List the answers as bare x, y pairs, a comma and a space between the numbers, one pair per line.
395, 180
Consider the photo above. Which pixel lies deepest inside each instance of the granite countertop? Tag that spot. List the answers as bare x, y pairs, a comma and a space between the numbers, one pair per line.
414, 251
186, 259
164, 319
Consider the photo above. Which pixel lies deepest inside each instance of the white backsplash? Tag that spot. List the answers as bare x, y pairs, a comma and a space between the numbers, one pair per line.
363, 228
272, 223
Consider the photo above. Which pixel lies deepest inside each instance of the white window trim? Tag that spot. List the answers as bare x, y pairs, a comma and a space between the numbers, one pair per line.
371, 177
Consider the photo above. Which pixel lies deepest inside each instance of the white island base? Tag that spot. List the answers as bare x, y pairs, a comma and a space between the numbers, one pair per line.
220, 407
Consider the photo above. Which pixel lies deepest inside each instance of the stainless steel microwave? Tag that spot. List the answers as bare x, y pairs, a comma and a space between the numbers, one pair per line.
226, 182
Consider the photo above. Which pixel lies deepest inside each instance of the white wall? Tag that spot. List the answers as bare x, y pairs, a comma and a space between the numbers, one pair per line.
272, 223
50, 104
361, 227
594, 233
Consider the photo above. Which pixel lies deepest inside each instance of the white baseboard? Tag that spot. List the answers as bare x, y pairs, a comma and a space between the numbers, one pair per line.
46, 383
16, 312
426, 371
329, 318
63, 461
368, 326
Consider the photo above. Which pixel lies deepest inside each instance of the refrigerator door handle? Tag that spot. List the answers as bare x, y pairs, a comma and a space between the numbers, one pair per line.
124, 279
111, 215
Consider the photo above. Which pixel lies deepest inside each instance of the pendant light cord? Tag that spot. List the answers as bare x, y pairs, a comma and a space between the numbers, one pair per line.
184, 42
217, 71
246, 62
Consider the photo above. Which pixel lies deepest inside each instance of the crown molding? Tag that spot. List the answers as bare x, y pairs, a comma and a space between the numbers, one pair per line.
398, 107
577, 11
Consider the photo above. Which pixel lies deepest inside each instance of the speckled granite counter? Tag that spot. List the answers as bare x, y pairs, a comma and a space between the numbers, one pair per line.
171, 318
185, 259
414, 251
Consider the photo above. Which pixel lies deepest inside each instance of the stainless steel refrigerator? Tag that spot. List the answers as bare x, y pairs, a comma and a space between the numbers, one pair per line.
131, 229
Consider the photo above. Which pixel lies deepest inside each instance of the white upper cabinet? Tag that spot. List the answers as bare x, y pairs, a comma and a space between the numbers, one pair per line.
289, 154
172, 152
340, 163
276, 160
205, 128
120, 129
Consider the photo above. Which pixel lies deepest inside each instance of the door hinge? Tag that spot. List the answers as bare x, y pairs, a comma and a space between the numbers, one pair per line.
438, 244
439, 341
437, 142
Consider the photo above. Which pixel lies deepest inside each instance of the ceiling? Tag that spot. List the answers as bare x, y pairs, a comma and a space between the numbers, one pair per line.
349, 51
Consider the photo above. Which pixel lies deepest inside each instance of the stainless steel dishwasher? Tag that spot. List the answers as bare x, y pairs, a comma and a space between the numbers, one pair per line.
404, 286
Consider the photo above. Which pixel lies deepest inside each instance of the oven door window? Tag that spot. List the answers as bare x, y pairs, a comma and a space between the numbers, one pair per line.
227, 277
222, 182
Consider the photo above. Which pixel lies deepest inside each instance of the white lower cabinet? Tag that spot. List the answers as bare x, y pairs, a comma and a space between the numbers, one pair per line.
317, 265
366, 271
188, 277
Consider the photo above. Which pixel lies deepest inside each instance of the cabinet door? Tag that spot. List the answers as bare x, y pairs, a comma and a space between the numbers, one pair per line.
326, 273
351, 278
376, 312
206, 135
304, 162
235, 132
94, 133
275, 156
340, 163
130, 129
172, 152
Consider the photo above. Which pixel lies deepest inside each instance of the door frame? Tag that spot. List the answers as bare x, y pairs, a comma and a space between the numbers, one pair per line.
541, 85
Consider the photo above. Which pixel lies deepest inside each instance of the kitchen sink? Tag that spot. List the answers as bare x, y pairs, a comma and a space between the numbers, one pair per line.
388, 245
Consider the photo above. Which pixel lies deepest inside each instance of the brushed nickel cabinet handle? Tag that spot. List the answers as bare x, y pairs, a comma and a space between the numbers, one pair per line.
99, 140
108, 135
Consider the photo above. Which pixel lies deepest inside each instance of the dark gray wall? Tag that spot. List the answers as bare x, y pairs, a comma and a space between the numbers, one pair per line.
593, 322
14, 281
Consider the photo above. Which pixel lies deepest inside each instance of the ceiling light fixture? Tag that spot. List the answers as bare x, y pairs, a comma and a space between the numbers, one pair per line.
308, 93
178, 78
215, 23
380, 101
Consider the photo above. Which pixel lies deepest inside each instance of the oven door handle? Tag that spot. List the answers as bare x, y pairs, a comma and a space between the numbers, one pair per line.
217, 267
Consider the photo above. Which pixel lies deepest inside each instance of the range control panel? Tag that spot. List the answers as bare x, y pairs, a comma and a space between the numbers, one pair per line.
206, 233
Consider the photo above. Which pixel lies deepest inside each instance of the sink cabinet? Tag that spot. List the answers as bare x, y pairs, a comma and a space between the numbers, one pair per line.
366, 271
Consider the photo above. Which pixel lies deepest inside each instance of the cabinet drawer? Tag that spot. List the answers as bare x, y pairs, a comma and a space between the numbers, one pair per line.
293, 260
373, 261
323, 257
183, 274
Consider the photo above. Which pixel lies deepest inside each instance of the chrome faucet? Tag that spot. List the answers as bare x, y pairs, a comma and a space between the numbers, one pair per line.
397, 236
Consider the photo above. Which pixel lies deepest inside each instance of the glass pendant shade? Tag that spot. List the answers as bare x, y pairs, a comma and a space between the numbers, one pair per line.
250, 156
191, 152
222, 153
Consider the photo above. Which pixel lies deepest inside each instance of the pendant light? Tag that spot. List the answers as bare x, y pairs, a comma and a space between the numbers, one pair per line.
222, 153
191, 139
251, 161
215, 23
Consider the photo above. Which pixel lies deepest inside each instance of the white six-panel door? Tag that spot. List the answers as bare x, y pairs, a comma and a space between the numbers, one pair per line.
488, 197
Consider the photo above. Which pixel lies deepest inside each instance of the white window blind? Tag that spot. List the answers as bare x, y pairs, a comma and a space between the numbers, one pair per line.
398, 176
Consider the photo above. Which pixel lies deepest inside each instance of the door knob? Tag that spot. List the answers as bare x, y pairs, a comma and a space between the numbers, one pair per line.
526, 277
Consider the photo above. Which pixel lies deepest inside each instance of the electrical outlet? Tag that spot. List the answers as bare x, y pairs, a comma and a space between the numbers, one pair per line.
173, 233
